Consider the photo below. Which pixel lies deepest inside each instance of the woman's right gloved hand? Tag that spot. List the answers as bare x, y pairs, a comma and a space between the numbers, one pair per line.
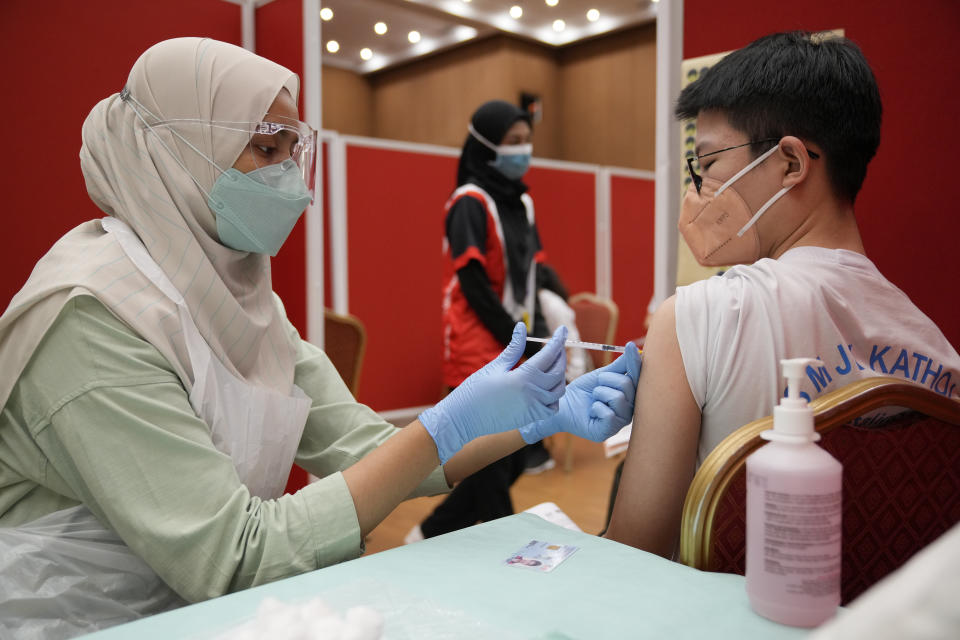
498, 397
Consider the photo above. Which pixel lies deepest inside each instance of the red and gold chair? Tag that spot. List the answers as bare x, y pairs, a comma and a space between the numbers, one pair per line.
901, 482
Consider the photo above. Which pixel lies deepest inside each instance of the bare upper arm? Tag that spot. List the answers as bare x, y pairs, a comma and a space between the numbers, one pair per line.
663, 446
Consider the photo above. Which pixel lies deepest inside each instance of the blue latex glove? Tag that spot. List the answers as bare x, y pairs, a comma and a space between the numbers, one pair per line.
498, 397
597, 404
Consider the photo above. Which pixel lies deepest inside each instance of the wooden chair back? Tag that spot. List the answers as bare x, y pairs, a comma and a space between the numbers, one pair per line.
345, 341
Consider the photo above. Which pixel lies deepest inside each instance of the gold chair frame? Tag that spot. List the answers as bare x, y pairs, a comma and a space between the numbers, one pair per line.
830, 411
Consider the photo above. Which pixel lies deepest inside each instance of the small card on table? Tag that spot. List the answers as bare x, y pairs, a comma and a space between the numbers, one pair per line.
540, 556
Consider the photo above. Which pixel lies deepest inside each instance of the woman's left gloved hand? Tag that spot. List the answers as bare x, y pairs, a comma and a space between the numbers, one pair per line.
596, 405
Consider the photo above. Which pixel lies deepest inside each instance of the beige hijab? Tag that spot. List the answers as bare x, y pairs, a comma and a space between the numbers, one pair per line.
132, 176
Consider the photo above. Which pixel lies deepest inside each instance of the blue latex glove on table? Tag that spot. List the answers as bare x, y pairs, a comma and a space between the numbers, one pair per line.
596, 405
498, 397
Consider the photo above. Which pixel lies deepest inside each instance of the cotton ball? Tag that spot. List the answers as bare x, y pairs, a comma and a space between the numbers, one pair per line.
246, 632
314, 609
270, 606
363, 623
325, 628
279, 620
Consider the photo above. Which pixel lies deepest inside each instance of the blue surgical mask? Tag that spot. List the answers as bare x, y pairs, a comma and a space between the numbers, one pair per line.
512, 160
512, 165
256, 211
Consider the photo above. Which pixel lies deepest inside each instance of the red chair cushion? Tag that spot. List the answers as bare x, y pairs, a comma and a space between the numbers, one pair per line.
901, 490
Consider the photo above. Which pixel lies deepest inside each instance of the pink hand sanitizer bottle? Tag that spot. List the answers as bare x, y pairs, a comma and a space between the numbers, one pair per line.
793, 516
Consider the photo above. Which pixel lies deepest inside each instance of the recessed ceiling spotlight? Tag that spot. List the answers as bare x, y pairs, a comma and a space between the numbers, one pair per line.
366, 53
551, 3
463, 32
593, 15
466, 1
559, 25
516, 12
380, 28
333, 46
326, 14
413, 37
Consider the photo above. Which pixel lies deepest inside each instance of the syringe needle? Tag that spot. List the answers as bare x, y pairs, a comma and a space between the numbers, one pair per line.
595, 346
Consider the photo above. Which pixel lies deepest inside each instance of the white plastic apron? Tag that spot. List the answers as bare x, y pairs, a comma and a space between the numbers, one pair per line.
66, 574
258, 428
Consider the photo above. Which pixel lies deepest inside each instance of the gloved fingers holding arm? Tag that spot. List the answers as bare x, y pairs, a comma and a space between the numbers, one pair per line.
597, 404
500, 397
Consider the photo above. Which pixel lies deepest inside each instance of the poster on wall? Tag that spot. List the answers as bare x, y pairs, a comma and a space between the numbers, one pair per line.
688, 269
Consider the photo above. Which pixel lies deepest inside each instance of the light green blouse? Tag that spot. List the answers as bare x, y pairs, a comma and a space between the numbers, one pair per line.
99, 417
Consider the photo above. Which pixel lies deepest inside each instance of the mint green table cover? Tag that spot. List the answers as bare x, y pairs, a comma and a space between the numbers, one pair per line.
457, 586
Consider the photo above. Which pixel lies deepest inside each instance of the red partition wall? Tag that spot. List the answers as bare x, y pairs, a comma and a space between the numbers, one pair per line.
395, 229
564, 201
906, 211
58, 59
631, 230
395, 219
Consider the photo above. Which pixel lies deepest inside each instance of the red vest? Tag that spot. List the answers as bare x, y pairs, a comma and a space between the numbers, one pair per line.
467, 343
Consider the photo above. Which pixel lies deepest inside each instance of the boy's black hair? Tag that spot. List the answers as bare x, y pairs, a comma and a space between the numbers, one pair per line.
819, 89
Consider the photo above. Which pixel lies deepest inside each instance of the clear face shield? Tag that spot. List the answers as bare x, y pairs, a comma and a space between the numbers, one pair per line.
274, 142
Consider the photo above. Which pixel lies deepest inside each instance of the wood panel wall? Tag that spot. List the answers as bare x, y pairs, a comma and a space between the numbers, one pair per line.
608, 93
598, 96
347, 102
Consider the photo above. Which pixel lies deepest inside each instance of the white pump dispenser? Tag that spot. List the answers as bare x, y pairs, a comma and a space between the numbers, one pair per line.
793, 515
793, 417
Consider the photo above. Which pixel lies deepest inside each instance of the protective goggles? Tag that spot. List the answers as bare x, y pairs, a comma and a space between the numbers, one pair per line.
268, 142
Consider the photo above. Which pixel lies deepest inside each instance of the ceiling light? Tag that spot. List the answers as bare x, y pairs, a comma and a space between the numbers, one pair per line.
326, 14
413, 37
463, 32
551, 3
380, 28
593, 15
559, 25
333, 46
366, 53
516, 12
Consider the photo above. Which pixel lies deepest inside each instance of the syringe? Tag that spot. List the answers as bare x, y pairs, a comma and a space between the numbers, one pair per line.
596, 346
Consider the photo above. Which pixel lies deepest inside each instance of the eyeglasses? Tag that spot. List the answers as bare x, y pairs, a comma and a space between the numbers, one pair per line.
268, 142
698, 179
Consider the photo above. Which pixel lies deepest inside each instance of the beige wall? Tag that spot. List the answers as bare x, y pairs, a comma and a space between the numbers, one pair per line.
431, 100
608, 93
598, 97
347, 102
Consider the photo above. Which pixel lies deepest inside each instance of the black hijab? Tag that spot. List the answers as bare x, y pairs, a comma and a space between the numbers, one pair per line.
492, 120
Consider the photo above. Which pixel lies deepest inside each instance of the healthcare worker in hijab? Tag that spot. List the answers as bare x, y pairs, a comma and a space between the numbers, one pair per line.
495, 259
155, 395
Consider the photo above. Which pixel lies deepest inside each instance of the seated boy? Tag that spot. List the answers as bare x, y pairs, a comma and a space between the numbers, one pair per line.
785, 130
